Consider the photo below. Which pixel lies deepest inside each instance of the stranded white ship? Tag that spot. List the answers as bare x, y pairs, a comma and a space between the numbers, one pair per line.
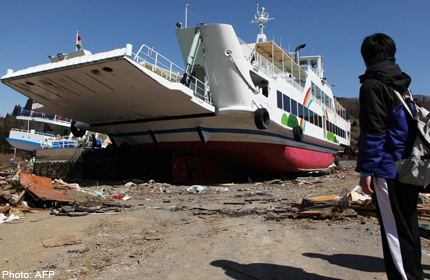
45, 131
236, 106
41, 131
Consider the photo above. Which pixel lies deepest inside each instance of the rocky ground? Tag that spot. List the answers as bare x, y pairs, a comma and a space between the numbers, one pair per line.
229, 231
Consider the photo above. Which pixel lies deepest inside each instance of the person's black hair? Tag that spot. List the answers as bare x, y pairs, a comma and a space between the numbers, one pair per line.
378, 47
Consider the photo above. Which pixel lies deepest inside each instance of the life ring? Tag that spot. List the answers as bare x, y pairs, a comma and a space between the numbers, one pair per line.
298, 133
261, 118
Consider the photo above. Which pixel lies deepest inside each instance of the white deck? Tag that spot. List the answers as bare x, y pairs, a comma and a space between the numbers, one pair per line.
103, 88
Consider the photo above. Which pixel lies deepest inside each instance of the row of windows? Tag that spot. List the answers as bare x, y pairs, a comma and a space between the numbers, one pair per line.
335, 129
292, 106
320, 95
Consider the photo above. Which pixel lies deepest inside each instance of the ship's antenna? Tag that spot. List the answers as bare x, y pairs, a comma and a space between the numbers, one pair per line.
186, 14
261, 18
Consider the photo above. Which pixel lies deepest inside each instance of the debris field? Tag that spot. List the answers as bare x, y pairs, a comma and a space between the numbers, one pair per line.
314, 227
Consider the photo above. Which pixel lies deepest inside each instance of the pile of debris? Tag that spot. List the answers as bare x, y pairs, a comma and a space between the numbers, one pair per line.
21, 192
333, 206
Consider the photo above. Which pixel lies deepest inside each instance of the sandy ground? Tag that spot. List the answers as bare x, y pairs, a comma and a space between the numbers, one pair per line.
234, 231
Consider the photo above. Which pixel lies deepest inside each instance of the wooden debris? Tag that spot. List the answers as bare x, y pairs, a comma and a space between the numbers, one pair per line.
325, 198
7, 187
18, 200
61, 240
109, 263
209, 216
152, 238
18, 213
423, 208
4, 209
41, 219
63, 185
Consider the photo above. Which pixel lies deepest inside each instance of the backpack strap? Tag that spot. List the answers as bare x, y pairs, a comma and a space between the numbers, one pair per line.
407, 97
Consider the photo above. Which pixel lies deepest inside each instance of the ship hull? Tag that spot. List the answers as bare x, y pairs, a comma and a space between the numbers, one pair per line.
252, 157
23, 145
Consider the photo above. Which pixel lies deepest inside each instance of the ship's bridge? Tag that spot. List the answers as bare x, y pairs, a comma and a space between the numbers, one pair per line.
313, 63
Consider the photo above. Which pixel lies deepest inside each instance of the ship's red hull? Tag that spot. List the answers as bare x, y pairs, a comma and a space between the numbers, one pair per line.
220, 159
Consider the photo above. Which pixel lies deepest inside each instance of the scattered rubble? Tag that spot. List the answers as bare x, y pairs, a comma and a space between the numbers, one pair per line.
25, 192
303, 203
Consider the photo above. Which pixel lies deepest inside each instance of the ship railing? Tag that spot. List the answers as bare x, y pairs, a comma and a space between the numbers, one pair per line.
269, 69
25, 112
59, 142
32, 131
200, 90
340, 111
157, 63
322, 104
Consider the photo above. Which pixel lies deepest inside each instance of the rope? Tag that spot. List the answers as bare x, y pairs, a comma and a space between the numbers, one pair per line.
241, 75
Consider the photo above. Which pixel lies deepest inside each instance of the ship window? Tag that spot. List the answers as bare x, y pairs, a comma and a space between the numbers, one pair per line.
287, 106
311, 116
319, 121
300, 111
306, 113
279, 96
294, 107
327, 101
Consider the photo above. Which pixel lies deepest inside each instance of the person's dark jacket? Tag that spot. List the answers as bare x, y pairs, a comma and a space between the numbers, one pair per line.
385, 128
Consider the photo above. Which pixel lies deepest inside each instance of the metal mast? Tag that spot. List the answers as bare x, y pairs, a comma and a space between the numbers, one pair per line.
261, 18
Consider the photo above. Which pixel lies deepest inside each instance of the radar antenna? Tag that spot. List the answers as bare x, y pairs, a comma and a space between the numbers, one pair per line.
261, 18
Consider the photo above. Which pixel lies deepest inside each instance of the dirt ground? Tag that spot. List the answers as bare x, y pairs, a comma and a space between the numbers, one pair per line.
230, 231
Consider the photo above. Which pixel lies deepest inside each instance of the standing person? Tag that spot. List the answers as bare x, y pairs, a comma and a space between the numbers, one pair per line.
387, 132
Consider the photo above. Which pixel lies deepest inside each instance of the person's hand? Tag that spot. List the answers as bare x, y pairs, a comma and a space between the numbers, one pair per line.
365, 182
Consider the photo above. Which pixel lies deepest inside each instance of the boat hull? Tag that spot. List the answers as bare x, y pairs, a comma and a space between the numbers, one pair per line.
24, 146
28, 142
252, 157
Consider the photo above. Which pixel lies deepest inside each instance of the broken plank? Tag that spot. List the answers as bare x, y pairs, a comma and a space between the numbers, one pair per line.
61, 240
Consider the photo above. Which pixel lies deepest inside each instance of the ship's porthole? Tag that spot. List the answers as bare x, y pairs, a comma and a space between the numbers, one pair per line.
95, 71
107, 69
30, 83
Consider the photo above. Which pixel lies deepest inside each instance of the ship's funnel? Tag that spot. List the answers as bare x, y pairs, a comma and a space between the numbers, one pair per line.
297, 52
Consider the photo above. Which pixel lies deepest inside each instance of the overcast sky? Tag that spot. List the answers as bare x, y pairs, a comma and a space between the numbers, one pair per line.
32, 30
